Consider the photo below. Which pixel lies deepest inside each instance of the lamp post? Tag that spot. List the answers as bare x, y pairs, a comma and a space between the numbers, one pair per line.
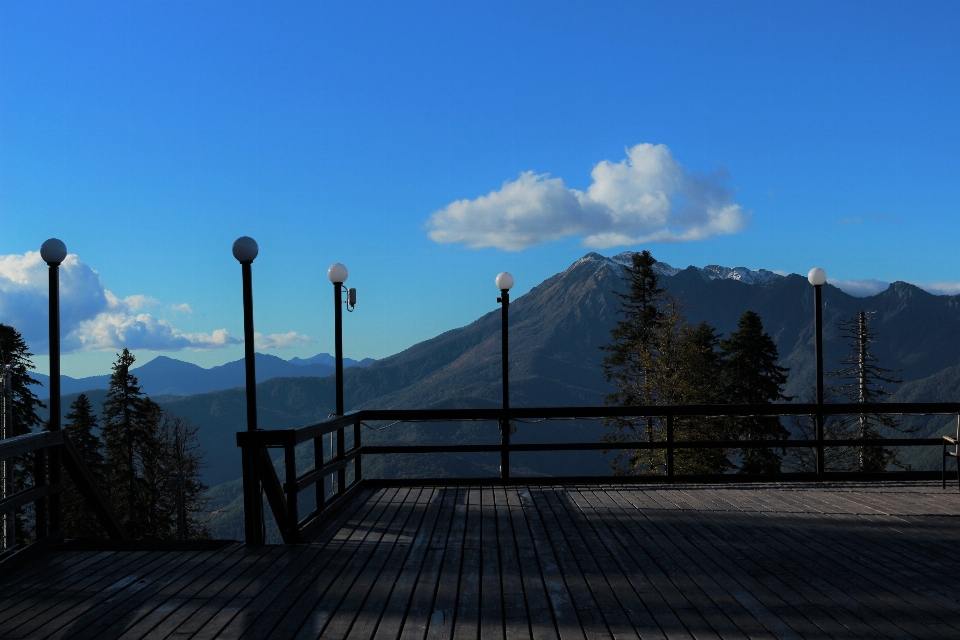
245, 250
504, 282
337, 273
818, 277
53, 252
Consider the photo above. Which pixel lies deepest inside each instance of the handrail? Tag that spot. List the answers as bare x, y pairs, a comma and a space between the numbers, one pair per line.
43, 445
260, 474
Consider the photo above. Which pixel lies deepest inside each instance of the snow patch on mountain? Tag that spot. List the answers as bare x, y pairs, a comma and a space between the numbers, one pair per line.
710, 272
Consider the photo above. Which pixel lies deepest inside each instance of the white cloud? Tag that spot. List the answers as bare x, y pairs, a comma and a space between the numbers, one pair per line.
860, 288
181, 308
92, 318
946, 288
279, 340
647, 197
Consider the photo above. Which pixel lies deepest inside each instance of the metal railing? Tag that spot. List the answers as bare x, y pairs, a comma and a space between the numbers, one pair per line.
259, 473
47, 449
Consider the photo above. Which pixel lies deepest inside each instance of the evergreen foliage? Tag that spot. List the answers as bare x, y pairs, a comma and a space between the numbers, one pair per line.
24, 404
752, 376
863, 380
656, 357
630, 358
153, 462
14, 351
79, 521
126, 435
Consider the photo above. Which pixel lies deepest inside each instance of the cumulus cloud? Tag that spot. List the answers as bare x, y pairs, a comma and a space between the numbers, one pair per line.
279, 340
947, 288
92, 318
646, 197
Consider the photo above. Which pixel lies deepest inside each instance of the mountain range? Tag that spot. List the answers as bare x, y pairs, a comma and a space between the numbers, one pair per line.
556, 331
169, 376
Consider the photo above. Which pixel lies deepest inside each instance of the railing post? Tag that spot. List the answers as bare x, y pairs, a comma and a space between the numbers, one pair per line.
341, 453
670, 445
290, 471
357, 468
318, 462
252, 500
39, 481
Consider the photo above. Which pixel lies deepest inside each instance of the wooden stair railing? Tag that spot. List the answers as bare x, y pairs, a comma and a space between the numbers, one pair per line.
42, 445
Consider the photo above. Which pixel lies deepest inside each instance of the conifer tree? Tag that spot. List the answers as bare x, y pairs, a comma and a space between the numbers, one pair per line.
24, 419
863, 380
752, 376
656, 357
700, 381
14, 351
79, 521
184, 462
127, 432
632, 352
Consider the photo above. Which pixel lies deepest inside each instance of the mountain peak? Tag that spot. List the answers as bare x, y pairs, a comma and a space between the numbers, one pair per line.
710, 272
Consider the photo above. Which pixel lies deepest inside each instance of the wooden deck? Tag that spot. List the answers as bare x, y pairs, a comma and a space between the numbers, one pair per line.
754, 561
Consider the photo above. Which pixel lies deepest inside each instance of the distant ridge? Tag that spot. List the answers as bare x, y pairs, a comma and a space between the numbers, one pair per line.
168, 376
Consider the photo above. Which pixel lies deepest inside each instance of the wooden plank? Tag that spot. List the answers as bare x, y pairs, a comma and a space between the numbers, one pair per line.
743, 558
420, 608
588, 519
299, 582
357, 543
670, 602
239, 613
466, 622
345, 543
83, 620
50, 577
374, 549
882, 594
393, 547
492, 595
179, 591
539, 566
792, 556
442, 616
382, 611
205, 600
519, 620
582, 560
36, 607
865, 552
547, 534
151, 597
755, 610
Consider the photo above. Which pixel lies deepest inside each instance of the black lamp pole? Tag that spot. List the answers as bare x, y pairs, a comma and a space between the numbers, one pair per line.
818, 277
245, 250
818, 303
504, 283
53, 252
338, 274
338, 342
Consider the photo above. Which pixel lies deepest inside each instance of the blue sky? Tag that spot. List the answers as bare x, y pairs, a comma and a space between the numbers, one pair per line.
430, 145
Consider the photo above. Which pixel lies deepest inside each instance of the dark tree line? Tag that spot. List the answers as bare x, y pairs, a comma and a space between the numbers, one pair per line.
656, 357
146, 460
